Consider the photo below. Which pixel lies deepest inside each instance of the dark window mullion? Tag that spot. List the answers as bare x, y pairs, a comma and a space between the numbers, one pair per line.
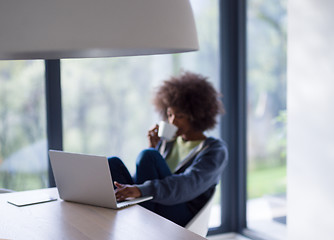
53, 109
233, 85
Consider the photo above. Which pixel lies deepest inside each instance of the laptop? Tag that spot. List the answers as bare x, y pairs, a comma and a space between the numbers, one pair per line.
86, 179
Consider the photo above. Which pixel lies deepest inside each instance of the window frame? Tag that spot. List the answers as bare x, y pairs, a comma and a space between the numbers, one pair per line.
233, 79
233, 125
54, 124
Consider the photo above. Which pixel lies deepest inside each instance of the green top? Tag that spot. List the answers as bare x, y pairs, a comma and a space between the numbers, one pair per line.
180, 150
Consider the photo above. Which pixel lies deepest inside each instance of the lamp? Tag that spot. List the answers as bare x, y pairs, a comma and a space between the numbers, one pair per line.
54, 29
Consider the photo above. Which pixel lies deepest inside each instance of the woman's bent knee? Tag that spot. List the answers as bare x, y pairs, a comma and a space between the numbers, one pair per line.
148, 156
114, 161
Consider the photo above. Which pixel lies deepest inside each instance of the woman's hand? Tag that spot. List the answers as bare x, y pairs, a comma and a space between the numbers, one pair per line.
124, 191
152, 136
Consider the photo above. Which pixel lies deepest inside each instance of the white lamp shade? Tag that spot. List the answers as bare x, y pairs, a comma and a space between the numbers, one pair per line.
55, 29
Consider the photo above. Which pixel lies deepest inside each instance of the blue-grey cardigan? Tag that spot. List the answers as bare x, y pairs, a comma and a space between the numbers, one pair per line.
193, 183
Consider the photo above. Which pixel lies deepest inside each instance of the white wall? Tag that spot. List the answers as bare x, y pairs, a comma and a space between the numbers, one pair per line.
311, 119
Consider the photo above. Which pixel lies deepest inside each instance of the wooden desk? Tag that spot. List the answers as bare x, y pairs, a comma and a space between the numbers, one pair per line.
65, 220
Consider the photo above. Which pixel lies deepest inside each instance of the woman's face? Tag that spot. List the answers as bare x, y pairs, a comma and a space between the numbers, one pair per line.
180, 120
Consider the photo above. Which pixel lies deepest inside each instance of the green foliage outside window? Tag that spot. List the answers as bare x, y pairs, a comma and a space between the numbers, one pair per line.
266, 84
22, 125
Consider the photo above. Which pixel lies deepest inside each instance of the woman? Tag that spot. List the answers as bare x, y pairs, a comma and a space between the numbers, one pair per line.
181, 174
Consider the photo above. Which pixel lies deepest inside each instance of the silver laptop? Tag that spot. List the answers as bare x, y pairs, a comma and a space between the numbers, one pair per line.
86, 179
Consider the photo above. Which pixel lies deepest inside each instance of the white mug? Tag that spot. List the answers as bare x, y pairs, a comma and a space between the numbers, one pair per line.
167, 130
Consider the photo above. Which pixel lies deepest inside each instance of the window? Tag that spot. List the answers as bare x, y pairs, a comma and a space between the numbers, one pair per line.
106, 107
23, 145
266, 115
106, 102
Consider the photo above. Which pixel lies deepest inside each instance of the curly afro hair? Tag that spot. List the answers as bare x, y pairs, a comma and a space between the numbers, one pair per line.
193, 95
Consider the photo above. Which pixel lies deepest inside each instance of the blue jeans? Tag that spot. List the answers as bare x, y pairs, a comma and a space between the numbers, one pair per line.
150, 165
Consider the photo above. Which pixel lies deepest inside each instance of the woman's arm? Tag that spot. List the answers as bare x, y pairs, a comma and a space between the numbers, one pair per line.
202, 174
